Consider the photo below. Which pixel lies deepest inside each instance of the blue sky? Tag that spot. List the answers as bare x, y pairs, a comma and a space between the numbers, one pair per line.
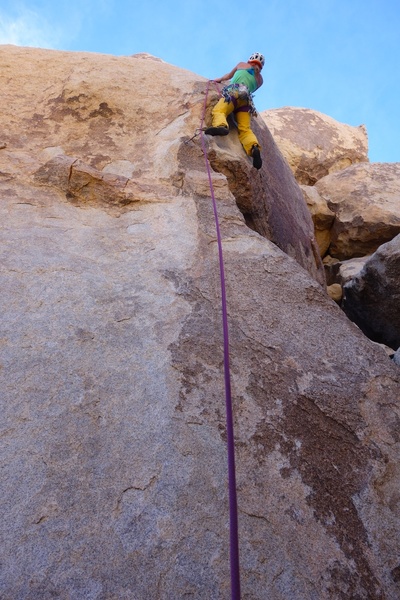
340, 57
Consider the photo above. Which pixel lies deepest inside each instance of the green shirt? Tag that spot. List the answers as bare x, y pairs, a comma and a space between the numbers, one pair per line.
246, 77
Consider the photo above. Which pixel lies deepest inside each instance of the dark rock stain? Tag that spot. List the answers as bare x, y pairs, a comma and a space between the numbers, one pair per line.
336, 466
81, 108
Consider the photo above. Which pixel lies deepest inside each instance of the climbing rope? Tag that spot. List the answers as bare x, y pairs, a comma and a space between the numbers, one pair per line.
233, 516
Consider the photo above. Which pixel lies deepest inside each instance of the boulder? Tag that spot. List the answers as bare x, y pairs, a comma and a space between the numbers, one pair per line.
349, 269
322, 217
335, 292
331, 266
113, 424
365, 200
314, 144
372, 298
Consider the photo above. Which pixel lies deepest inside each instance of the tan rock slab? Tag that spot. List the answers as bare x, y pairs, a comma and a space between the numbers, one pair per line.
365, 200
314, 144
112, 417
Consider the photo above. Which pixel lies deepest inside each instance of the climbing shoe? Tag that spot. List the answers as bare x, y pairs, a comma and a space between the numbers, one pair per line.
216, 131
256, 155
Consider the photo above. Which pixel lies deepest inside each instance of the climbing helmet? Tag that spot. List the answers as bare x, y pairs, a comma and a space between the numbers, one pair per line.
257, 57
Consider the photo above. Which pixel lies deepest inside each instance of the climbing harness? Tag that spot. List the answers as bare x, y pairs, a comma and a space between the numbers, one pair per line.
239, 91
231, 93
233, 516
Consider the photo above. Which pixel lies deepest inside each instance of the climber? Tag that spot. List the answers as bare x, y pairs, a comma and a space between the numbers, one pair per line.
237, 98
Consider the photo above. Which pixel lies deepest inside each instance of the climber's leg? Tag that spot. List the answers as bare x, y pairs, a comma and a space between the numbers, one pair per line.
246, 136
220, 113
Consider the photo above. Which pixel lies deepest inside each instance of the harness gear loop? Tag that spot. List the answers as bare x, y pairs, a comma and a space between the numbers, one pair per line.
233, 516
238, 91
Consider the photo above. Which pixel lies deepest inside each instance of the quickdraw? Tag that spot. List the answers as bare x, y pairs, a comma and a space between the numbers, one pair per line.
196, 133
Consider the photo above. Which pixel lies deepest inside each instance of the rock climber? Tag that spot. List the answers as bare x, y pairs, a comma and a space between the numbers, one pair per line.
237, 98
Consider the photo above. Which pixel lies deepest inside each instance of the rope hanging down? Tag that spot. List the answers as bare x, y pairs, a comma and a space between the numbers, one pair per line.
233, 516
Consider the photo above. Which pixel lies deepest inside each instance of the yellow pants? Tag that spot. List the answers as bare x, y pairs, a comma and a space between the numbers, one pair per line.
243, 118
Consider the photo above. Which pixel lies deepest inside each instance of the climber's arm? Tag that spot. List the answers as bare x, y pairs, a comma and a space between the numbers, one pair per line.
231, 73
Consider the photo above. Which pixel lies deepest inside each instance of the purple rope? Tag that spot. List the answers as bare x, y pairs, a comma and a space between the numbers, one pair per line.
233, 528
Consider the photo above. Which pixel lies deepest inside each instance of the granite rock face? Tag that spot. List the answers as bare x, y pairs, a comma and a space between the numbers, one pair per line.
365, 200
355, 210
314, 144
114, 469
354, 204
323, 217
372, 297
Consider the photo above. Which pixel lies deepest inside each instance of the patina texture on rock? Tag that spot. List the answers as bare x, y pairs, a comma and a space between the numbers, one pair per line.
372, 297
365, 200
314, 144
114, 470
310, 441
